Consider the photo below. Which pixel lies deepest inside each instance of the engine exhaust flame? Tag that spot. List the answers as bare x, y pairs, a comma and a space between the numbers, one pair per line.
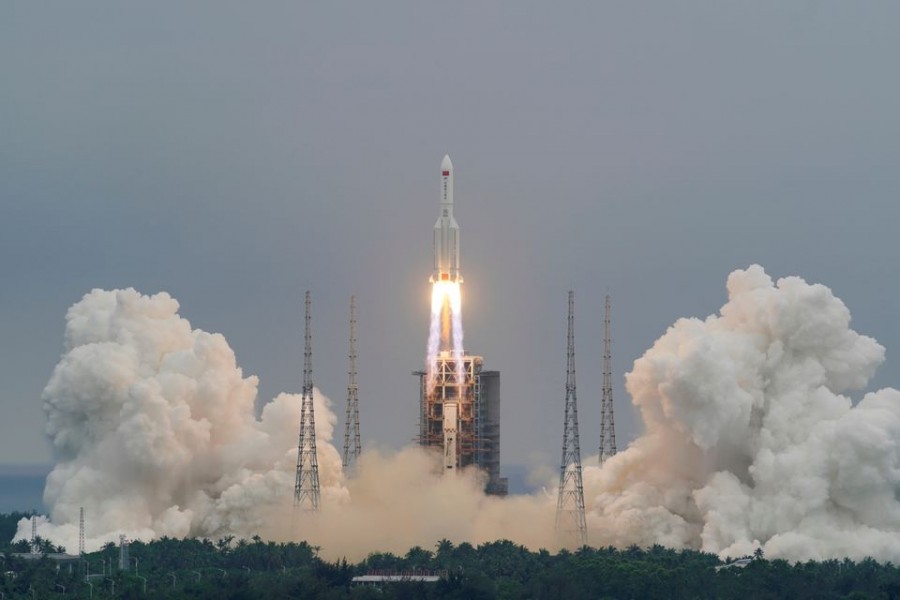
445, 333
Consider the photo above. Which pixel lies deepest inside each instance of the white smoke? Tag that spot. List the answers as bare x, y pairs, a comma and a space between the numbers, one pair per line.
153, 429
750, 441
434, 337
458, 346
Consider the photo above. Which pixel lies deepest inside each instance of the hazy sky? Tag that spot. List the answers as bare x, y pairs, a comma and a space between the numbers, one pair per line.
236, 154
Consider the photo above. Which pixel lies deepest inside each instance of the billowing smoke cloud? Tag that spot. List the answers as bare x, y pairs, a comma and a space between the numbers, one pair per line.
750, 441
153, 429
400, 500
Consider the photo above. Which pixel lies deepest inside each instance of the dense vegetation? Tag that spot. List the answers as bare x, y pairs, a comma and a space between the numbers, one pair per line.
238, 569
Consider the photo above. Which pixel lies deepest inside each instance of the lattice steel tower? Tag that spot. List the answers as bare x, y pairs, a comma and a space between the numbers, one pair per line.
607, 418
35, 549
570, 520
306, 487
81, 531
352, 446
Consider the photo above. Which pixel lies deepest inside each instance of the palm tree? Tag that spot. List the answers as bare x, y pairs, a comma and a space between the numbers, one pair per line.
224, 543
418, 558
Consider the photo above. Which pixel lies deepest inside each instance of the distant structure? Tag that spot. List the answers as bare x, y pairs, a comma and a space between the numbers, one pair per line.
607, 418
81, 531
378, 579
737, 564
123, 553
306, 486
461, 419
352, 446
35, 549
570, 520
60, 558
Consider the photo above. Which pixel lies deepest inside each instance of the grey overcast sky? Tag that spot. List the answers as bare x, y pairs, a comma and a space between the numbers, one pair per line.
236, 154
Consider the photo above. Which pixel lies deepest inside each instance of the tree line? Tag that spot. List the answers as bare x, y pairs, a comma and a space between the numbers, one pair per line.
236, 569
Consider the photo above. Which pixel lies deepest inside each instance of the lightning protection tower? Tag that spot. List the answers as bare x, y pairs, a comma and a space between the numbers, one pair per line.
607, 419
81, 531
570, 521
306, 486
352, 446
35, 549
124, 559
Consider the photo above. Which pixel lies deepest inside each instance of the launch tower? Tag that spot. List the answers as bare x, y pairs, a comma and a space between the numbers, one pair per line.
462, 422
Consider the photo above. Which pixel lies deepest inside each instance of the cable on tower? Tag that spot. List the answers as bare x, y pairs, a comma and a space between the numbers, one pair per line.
570, 520
607, 417
352, 446
306, 486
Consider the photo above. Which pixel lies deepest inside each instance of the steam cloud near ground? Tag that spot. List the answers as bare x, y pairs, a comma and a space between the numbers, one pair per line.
750, 441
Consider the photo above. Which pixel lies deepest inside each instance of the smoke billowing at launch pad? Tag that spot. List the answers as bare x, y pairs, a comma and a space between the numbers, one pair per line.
750, 442
751, 439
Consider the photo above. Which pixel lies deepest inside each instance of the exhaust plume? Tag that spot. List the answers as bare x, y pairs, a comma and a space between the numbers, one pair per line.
751, 440
445, 332
153, 430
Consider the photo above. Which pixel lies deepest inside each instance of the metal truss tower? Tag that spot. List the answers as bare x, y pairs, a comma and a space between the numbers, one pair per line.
570, 520
81, 531
35, 549
607, 418
306, 486
352, 446
124, 559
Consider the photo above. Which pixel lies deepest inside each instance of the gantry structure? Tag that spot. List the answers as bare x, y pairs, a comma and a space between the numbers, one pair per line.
449, 414
459, 416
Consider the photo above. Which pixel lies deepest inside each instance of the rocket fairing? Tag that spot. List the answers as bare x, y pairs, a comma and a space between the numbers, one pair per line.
446, 231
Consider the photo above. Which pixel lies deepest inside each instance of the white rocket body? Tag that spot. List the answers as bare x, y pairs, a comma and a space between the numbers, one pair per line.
446, 231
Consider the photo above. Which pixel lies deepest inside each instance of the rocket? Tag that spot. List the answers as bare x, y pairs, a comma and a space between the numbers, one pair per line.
446, 231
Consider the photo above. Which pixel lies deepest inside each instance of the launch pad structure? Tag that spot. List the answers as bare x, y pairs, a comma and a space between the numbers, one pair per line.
461, 419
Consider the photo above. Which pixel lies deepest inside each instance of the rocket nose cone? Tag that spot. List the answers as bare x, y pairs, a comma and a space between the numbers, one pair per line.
446, 165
